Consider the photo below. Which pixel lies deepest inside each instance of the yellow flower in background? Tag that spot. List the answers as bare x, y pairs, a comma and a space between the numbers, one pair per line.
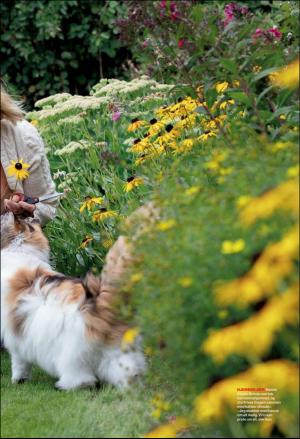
275, 263
103, 214
133, 182
18, 169
90, 203
278, 146
293, 171
136, 277
34, 122
129, 337
230, 247
185, 281
285, 196
222, 86
242, 339
243, 200
86, 241
236, 83
166, 225
213, 403
288, 76
135, 124
207, 135
193, 190
169, 430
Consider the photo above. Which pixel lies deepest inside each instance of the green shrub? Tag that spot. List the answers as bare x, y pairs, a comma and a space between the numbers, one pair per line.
55, 46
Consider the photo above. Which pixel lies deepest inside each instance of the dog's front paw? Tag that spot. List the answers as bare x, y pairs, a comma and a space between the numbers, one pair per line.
19, 380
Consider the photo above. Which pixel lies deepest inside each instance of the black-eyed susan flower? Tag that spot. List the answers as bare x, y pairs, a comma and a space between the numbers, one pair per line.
133, 182
90, 203
18, 169
221, 86
135, 124
102, 214
85, 242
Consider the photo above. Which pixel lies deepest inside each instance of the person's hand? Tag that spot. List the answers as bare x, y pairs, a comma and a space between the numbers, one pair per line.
19, 207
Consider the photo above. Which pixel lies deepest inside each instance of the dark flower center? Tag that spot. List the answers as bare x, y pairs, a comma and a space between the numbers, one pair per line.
129, 179
103, 209
206, 131
169, 127
179, 100
136, 141
134, 120
18, 166
153, 121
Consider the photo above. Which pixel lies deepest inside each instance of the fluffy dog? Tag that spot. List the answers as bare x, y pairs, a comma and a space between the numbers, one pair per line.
67, 326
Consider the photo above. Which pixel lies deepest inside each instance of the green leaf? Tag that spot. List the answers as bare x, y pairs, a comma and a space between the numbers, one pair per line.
229, 65
262, 74
240, 96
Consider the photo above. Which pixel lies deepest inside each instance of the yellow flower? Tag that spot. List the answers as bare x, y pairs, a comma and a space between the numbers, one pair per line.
86, 241
285, 196
242, 339
221, 86
34, 122
229, 247
135, 124
90, 203
193, 190
236, 83
166, 225
224, 104
225, 171
275, 263
136, 277
185, 145
133, 182
288, 76
293, 171
103, 214
185, 281
206, 135
243, 200
278, 146
129, 337
18, 169
213, 165
169, 430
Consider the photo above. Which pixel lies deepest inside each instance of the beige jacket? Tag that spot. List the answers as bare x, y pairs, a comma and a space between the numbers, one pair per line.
22, 141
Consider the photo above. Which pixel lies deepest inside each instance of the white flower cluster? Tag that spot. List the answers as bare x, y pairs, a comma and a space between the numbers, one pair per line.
74, 103
71, 120
116, 87
52, 100
73, 146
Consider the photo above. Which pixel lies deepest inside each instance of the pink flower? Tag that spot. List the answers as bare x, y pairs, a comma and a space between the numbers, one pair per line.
116, 116
180, 43
258, 33
163, 4
276, 33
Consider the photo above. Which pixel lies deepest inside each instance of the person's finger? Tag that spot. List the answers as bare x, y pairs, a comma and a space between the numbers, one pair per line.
28, 207
12, 206
16, 198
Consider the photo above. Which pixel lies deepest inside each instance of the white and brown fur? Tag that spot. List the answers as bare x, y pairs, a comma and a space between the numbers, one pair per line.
66, 326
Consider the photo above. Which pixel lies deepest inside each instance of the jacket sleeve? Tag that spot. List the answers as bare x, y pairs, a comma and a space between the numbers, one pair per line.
39, 181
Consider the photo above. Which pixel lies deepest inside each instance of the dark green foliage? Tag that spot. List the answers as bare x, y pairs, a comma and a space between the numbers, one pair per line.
55, 46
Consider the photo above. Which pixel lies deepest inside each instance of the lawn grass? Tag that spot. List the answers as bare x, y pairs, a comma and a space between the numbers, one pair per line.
36, 409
